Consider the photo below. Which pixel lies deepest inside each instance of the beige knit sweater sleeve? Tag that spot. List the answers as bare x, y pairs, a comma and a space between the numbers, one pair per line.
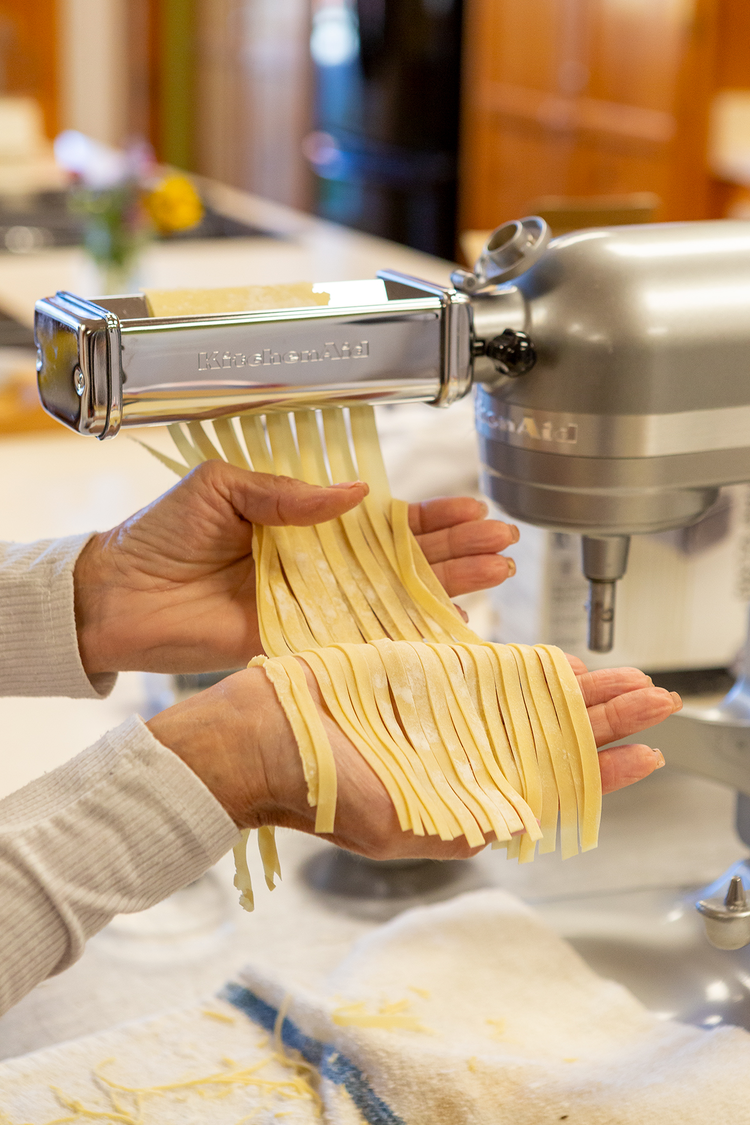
38, 645
113, 831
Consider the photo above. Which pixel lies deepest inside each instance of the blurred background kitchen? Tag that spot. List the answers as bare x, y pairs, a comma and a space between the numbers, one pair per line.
226, 142
228, 124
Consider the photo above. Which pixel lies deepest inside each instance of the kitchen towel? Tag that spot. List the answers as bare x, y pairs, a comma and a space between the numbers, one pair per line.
470, 1012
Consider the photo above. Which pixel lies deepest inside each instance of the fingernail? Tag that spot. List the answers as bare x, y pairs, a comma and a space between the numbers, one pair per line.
349, 484
659, 758
484, 508
676, 700
515, 533
511, 567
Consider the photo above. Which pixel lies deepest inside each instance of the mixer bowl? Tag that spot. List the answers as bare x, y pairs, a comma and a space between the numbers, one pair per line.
653, 943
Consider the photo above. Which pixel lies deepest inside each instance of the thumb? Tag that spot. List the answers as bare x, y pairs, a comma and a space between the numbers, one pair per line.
273, 501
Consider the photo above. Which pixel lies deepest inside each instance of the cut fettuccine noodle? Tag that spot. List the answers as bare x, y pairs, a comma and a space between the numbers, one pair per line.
468, 738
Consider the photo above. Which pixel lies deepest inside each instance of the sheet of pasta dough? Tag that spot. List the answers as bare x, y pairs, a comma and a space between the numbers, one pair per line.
240, 298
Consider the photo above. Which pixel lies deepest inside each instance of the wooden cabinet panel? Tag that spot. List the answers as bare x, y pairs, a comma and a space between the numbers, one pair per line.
28, 54
585, 97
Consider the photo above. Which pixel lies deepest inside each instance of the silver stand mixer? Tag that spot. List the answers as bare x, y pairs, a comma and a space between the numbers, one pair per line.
612, 378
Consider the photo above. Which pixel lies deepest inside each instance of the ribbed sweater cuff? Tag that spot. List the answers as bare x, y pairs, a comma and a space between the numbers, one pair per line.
38, 642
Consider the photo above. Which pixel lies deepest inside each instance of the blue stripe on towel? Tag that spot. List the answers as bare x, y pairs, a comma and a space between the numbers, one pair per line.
337, 1068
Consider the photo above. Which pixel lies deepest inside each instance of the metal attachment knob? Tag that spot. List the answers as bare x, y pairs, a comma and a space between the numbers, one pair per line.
512, 352
510, 250
79, 381
728, 923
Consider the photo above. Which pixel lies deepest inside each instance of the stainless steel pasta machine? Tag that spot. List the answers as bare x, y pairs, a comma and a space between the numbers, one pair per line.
612, 375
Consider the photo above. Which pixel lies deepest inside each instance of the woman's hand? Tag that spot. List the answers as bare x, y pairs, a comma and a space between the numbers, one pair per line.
236, 737
621, 701
172, 589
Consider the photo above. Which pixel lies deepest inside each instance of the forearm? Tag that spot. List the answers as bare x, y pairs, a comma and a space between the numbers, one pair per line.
114, 831
39, 652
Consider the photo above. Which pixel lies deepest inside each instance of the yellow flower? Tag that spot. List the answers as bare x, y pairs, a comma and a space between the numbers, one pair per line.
174, 204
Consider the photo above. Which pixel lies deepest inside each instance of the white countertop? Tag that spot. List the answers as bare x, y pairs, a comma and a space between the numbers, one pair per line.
672, 830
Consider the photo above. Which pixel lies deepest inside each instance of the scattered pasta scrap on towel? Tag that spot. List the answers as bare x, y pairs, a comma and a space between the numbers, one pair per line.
132, 1104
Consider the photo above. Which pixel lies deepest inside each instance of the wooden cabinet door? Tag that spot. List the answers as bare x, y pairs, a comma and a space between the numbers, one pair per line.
584, 97
28, 54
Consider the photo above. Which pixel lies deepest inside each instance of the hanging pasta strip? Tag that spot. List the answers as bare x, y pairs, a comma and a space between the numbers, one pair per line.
566, 790
373, 687
174, 466
294, 625
455, 733
203, 442
340, 463
363, 696
371, 468
385, 762
279, 676
350, 534
530, 676
418, 626
368, 454
375, 520
186, 448
397, 623
443, 613
286, 459
272, 633
255, 440
391, 614
477, 749
308, 590
331, 534
327, 784
520, 731
317, 591
269, 855
505, 706
426, 764
566, 724
429, 686
460, 802
491, 714
524, 743
331, 672
383, 688
227, 438
312, 458
519, 816
588, 756
291, 543
242, 880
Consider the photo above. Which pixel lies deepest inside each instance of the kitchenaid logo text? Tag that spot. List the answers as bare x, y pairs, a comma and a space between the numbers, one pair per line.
529, 426
215, 361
